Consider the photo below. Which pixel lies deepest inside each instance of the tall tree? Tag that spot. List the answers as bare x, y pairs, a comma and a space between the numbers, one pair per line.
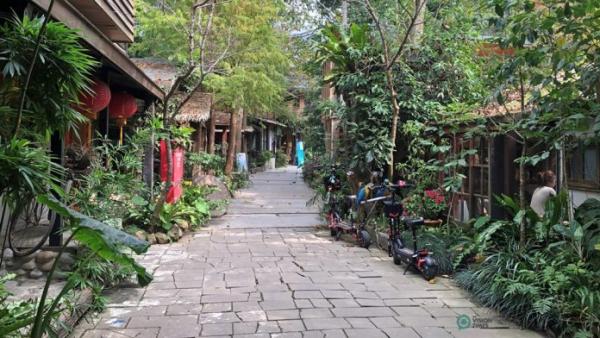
183, 32
393, 46
253, 79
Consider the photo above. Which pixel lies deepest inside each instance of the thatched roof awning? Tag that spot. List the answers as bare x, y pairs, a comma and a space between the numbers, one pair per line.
196, 109
222, 118
511, 106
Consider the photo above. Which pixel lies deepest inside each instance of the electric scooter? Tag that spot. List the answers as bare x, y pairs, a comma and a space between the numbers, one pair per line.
420, 259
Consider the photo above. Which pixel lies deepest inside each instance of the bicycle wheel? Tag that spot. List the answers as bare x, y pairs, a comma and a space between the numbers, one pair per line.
29, 229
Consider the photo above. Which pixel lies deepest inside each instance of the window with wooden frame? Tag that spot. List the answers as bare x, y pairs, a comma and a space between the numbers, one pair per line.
473, 199
583, 168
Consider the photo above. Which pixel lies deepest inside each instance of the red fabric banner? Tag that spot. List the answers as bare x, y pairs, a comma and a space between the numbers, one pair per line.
177, 161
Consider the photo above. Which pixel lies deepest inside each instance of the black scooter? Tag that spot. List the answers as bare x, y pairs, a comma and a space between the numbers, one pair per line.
420, 259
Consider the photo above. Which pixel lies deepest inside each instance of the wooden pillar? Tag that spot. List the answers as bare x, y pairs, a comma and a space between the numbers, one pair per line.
211, 133
202, 140
148, 166
197, 137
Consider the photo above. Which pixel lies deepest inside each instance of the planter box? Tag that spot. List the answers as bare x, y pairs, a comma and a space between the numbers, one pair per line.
270, 164
433, 222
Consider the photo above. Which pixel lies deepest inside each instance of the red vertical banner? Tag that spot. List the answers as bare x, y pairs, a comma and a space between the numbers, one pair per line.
163, 161
177, 161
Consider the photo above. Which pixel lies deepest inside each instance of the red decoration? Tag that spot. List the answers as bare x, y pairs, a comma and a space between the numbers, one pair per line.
177, 165
94, 101
122, 106
435, 195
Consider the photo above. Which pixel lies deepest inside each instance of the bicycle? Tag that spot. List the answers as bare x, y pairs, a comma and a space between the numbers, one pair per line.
29, 227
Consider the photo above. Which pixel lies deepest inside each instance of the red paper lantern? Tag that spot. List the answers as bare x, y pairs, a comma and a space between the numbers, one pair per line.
94, 101
122, 106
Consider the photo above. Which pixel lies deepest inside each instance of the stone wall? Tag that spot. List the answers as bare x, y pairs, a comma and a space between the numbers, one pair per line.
38, 264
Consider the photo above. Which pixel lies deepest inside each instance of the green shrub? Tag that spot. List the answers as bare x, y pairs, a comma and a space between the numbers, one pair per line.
210, 163
281, 159
238, 180
552, 282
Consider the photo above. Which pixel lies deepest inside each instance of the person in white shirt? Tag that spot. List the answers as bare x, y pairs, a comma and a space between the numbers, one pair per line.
544, 192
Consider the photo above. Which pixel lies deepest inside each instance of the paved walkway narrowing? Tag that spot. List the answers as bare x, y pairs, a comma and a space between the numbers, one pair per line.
273, 278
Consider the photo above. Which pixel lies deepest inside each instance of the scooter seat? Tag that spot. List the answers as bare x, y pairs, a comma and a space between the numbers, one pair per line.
414, 222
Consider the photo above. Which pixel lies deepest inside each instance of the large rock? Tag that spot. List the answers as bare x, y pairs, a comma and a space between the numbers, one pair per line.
43, 257
141, 235
36, 274
175, 233
152, 239
161, 238
221, 192
183, 225
28, 266
66, 262
46, 267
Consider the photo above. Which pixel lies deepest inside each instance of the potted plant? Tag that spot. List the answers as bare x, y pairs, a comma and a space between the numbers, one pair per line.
269, 159
433, 206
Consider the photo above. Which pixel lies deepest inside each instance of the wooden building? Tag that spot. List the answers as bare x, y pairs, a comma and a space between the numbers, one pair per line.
196, 112
105, 27
492, 170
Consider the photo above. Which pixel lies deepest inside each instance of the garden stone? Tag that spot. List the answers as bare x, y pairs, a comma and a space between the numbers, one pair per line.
161, 238
43, 257
183, 225
7, 253
20, 272
141, 235
66, 261
221, 193
59, 275
175, 233
46, 267
30, 265
36, 274
23, 260
151, 238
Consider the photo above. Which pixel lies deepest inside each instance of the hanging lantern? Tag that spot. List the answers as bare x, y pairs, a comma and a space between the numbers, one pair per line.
94, 101
122, 106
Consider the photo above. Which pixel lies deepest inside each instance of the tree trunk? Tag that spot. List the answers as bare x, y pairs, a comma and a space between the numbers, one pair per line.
522, 196
233, 139
239, 138
162, 197
419, 24
345, 14
396, 113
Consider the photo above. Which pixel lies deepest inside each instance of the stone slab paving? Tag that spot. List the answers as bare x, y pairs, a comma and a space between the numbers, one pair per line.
275, 199
275, 281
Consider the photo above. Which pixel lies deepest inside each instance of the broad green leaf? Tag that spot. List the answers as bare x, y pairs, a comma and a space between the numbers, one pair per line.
481, 221
98, 243
139, 201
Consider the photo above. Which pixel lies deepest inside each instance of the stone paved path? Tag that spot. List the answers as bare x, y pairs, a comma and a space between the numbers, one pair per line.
283, 279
